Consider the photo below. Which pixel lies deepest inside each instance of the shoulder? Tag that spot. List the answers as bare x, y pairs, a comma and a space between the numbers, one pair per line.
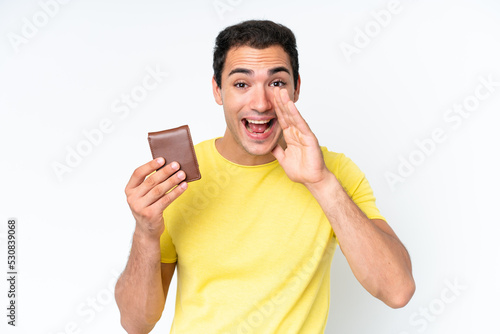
204, 145
204, 149
339, 163
346, 171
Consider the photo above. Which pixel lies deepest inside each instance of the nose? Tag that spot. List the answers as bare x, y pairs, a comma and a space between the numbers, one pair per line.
261, 99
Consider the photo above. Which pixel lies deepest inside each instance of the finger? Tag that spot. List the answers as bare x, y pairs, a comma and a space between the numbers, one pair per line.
293, 114
289, 106
278, 107
162, 188
285, 100
163, 202
156, 178
284, 96
141, 172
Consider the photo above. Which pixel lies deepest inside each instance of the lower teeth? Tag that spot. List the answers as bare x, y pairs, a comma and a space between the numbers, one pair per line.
266, 130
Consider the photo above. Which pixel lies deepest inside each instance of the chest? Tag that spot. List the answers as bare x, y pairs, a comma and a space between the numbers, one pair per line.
238, 224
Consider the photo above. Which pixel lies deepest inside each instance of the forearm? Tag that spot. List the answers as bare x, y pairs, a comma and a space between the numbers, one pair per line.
378, 260
139, 290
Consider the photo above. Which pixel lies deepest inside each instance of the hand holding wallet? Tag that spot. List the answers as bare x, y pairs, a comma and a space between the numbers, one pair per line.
176, 145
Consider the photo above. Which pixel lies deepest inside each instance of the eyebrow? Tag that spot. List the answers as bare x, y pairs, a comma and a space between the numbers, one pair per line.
278, 69
251, 72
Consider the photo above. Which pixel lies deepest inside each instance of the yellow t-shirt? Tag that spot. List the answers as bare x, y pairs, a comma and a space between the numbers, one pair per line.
254, 249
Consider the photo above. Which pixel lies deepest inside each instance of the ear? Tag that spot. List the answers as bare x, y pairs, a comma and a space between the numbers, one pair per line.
296, 92
216, 91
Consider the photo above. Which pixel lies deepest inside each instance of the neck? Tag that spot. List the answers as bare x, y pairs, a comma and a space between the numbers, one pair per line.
234, 152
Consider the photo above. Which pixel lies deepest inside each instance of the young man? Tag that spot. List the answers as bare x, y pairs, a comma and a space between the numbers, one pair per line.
253, 240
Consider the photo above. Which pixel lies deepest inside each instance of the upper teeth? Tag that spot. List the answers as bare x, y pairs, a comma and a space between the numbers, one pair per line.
258, 122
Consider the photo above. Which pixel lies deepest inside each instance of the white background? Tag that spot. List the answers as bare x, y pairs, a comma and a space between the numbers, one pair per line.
74, 231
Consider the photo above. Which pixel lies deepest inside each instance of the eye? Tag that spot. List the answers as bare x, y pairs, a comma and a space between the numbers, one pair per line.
240, 85
278, 83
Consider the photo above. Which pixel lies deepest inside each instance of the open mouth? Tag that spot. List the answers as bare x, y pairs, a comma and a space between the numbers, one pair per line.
258, 127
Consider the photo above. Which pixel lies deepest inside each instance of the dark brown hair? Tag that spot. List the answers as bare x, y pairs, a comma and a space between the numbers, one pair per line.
258, 34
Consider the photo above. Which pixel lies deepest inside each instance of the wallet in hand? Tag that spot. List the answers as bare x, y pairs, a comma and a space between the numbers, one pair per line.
176, 145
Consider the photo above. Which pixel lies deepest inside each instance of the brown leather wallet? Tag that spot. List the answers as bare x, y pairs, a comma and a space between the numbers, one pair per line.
176, 145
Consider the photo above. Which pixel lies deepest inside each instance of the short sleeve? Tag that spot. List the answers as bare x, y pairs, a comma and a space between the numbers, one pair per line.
167, 247
354, 182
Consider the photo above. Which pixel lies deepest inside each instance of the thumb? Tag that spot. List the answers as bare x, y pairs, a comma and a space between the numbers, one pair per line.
278, 153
